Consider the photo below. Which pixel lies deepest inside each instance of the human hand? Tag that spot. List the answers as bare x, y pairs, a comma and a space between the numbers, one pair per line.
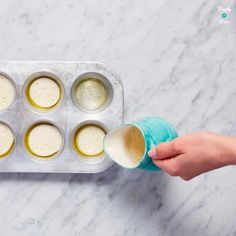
194, 154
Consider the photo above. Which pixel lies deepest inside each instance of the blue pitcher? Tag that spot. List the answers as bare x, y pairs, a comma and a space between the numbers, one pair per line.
129, 144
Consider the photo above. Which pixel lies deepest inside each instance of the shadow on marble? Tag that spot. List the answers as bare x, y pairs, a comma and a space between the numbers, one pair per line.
100, 178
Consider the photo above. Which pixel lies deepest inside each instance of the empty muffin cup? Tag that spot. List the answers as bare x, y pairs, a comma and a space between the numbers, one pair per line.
7, 140
92, 92
44, 140
88, 140
43, 91
7, 92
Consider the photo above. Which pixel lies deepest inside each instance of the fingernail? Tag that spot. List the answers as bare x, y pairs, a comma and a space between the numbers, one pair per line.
152, 152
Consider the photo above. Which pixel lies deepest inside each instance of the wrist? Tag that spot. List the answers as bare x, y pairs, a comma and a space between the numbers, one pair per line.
230, 150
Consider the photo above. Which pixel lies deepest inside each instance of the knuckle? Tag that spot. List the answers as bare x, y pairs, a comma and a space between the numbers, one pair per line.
159, 149
186, 178
174, 171
171, 173
176, 145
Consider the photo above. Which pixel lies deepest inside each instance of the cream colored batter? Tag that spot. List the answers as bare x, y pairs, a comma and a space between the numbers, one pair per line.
44, 92
126, 146
7, 93
44, 140
6, 139
89, 140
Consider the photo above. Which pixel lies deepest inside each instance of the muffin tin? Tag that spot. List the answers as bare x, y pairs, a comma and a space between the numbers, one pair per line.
68, 115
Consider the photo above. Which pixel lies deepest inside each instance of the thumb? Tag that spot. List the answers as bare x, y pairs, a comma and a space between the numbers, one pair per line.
165, 150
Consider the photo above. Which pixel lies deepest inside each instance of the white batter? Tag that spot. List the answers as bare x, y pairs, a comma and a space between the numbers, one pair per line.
6, 139
45, 140
7, 93
125, 145
91, 94
44, 92
89, 140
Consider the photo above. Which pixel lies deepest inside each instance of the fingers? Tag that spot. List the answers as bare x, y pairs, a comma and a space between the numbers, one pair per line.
165, 150
173, 167
168, 165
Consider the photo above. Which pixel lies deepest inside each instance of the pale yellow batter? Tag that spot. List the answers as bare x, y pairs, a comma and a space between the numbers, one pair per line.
89, 140
7, 93
44, 92
44, 140
6, 139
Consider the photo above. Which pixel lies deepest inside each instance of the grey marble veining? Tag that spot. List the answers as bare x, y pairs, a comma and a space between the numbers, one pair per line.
176, 62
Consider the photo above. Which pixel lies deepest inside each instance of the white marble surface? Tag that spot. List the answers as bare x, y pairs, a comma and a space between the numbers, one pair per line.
176, 62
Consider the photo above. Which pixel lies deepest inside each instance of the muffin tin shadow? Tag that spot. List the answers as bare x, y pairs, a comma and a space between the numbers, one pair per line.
80, 94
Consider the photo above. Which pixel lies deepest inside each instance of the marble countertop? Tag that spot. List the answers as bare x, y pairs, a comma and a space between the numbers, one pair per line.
177, 62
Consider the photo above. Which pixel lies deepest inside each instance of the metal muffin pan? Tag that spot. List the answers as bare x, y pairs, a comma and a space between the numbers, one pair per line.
67, 116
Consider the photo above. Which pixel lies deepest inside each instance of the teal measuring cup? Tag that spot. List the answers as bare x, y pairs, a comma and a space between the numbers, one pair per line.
129, 144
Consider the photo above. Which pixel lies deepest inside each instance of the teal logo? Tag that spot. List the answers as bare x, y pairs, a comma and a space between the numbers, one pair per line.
223, 14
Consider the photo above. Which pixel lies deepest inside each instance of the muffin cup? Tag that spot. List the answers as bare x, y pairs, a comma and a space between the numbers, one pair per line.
34, 156
83, 157
93, 77
30, 103
12, 148
15, 89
